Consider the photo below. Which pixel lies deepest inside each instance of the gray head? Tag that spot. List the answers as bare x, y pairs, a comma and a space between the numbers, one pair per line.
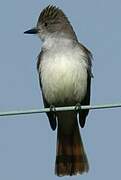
53, 21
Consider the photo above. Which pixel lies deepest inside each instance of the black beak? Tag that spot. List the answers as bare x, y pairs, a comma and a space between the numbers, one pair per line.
31, 31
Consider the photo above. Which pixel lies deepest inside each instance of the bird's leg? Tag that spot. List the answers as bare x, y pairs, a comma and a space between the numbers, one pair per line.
53, 110
77, 108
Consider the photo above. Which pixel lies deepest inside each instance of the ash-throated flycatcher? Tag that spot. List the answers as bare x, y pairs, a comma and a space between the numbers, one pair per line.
64, 68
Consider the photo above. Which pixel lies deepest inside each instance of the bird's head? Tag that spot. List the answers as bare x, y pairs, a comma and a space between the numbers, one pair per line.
52, 21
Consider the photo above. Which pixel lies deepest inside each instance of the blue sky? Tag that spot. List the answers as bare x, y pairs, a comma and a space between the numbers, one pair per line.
27, 144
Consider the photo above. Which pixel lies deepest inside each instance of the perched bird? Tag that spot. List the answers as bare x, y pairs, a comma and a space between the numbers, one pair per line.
64, 68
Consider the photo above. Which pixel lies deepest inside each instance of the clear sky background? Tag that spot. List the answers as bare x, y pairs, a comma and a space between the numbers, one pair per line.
27, 144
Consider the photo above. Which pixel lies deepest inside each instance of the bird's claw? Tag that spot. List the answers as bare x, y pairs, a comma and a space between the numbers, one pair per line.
52, 108
53, 111
77, 107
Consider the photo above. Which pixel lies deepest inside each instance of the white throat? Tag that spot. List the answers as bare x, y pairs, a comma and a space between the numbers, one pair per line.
55, 41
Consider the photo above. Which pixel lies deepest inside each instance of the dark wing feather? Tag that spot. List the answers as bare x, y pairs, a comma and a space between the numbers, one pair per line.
86, 100
51, 115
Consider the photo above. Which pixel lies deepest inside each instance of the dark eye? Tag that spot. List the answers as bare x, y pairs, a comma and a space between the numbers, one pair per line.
45, 24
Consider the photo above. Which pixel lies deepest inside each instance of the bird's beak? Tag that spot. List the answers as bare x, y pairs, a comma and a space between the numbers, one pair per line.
31, 31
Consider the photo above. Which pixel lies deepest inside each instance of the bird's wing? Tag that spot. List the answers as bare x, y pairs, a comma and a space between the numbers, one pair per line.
86, 100
51, 115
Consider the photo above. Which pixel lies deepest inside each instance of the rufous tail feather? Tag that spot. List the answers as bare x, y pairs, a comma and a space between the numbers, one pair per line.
71, 157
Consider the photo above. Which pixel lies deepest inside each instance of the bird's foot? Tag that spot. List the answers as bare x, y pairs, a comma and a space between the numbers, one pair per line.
53, 110
77, 107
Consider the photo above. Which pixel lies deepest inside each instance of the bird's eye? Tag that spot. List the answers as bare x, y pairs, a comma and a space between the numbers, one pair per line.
45, 24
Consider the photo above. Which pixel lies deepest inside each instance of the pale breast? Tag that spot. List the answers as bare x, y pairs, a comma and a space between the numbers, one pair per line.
63, 77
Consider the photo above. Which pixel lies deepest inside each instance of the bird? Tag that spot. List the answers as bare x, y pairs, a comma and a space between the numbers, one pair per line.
65, 71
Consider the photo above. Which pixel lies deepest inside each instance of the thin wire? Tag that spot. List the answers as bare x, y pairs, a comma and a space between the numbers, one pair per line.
69, 108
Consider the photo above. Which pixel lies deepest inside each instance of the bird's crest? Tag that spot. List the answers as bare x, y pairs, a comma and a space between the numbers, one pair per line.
50, 12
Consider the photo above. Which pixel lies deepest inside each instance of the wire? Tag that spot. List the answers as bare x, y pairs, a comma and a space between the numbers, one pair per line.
69, 108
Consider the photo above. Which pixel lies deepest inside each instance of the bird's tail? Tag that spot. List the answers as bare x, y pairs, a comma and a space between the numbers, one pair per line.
71, 157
